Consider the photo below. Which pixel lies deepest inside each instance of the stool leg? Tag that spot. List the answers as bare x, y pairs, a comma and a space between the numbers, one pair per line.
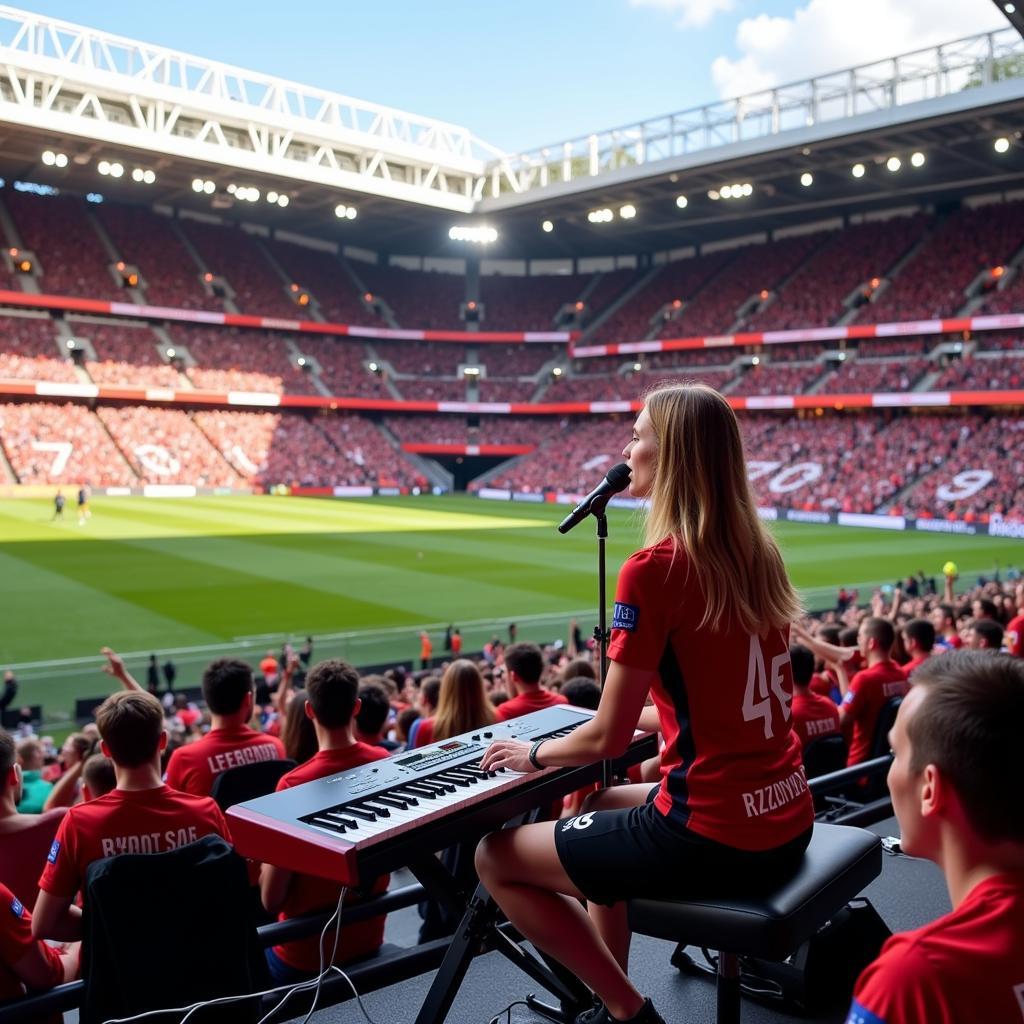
728, 988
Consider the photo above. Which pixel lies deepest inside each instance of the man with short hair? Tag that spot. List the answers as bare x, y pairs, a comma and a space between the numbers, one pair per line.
868, 691
813, 715
955, 784
918, 641
229, 693
372, 720
34, 788
1015, 627
141, 815
524, 664
983, 635
944, 621
331, 702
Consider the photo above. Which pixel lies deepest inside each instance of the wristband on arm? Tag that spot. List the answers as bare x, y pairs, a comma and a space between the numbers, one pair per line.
533, 755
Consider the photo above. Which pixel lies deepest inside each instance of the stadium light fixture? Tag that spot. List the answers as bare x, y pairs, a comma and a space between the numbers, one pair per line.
271, 197
547, 227
52, 159
806, 179
1001, 145
197, 183
277, 198
725, 191
714, 194
374, 367
70, 343
756, 361
602, 216
682, 202
917, 159
1010, 8
627, 212
232, 189
301, 361
556, 371
471, 371
842, 357
894, 163
171, 353
637, 367
857, 170
478, 235
343, 212
143, 175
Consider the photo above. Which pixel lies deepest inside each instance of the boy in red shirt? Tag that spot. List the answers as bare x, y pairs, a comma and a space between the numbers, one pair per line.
525, 666
141, 815
813, 715
229, 693
864, 698
918, 641
331, 703
955, 783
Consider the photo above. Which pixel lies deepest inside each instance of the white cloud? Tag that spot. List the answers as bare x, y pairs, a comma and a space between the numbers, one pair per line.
690, 13
828, 35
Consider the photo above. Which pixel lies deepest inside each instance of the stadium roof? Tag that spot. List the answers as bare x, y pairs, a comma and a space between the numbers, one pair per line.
89, 96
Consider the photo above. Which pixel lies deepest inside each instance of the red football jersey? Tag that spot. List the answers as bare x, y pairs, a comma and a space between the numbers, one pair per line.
967, 966
15, 941
814, 716
307, 893
869, 689
1014, 637
126, 821
193, 767
732, 767
908, 669
524, 703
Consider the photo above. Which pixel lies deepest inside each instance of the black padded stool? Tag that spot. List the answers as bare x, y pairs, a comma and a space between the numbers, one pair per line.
840, 861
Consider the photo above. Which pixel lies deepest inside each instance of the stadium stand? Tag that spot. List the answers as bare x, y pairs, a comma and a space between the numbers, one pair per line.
422, 358
934, 281
29, 350
868, 375
127, 355
518, 360
766, 379
235, 255
428, 300
528, 303
72, 260
47, 443
148, 241
366, 456
976, 374
505, 390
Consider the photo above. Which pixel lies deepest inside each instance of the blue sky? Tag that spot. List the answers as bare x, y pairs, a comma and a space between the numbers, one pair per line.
531, 72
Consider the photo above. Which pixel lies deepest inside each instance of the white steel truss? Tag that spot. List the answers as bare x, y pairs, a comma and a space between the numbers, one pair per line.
66, 78
883, 85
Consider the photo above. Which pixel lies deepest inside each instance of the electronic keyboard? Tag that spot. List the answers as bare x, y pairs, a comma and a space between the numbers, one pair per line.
372, 819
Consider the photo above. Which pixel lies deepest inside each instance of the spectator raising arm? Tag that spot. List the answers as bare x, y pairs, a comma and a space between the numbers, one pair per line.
115, 667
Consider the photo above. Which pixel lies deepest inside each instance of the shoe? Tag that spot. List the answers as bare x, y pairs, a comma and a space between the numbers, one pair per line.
647, 1014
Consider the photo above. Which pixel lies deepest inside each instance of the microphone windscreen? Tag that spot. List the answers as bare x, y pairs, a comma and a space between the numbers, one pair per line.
618, 476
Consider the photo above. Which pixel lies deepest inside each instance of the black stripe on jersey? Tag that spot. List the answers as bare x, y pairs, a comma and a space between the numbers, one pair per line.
675, 686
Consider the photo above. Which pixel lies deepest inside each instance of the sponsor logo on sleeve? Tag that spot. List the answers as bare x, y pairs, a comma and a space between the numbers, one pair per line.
17, 908
848, 699
625, 616
54, 850
862, 1015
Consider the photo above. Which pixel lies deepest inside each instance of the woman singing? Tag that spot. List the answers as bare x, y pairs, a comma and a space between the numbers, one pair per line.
701, 624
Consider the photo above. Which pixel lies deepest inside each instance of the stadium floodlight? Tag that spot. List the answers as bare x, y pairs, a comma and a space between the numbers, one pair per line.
682, 202
917, 159
301, 360
627, 212
806, 179
374, 367
271, 197
748, 189
894, 163
547, 227
232, 189
148, 176
637, 367
283, 200
842, 357
137, 173
171, 353
104, 168
478, 235
471, 371
857, 170
209, 187
197, 183
602, 216
1010, 8
49, 157
116, 170
756, 361
343, 212
556, 371
1001, 145
713, 193
725, 191
70, 343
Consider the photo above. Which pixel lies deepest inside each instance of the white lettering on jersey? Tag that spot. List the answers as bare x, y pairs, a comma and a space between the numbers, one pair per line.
775, 795
243, 755
759, 704
148, 842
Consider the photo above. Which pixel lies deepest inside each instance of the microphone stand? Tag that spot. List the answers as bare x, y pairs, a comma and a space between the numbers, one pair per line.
601, 634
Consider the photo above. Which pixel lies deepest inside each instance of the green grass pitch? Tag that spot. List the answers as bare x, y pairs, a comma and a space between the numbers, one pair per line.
209, 576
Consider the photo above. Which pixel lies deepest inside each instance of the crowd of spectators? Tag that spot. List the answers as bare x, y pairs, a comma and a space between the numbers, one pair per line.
933, 283
814, 294
72, 260
859, 376
365, 454
29, 350
528, 303
423, 358
769, 379
610, 285
433, 389
489, 390
985, 374
343, 366
127, 355
148, 241
49, 443
518, 360
423, 300
999, 341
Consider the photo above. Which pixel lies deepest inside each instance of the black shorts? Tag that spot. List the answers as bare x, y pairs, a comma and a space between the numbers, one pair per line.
634, 852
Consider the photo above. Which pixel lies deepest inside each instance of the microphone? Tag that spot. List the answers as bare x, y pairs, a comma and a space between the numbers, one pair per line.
595, 502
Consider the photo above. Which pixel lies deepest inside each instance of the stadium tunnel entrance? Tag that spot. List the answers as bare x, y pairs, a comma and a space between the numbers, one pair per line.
465, 468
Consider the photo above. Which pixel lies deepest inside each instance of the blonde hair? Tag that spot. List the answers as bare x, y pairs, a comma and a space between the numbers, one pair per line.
463, 703
700, 498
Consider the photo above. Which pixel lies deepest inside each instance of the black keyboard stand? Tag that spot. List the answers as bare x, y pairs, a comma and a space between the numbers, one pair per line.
478, 932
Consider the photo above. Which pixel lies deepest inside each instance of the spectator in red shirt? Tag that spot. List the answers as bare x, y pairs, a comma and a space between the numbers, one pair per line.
27, 964
918, 641
371, 723
331, 704
1015, 627
141, 815
870, 688
229, 694
955, 784
524, 664
813, 715
456, 643
944, 621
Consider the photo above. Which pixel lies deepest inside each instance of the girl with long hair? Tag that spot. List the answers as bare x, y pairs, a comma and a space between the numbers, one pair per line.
462, 704
701, 626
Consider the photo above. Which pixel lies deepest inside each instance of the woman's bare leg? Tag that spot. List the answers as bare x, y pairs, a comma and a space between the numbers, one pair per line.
521, 870
612, 923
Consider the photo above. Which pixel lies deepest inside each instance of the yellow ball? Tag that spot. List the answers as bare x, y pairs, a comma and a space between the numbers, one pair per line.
949, 569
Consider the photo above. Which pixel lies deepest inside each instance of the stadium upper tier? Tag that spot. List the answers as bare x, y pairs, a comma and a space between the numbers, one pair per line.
941, 465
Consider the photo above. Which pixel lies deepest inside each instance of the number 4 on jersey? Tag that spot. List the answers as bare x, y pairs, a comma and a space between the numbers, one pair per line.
757, 698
